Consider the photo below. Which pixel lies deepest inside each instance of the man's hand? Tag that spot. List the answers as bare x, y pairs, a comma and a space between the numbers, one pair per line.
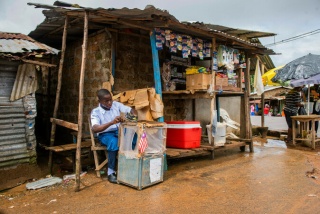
116, 120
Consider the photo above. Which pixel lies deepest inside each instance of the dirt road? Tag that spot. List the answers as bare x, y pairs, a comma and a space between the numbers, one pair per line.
270, 180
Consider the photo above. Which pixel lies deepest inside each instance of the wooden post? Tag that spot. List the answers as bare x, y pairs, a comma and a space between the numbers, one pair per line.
156, 67
56, 105
262, 98
248, 131
80, 113
213, 84
113, 56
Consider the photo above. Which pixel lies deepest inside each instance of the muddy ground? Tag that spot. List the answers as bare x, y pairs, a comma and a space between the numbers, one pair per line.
273, 179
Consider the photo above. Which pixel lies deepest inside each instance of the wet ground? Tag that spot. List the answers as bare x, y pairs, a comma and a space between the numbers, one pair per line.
273, 179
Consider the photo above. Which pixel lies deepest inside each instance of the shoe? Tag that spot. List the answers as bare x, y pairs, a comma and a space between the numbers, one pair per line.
112, 178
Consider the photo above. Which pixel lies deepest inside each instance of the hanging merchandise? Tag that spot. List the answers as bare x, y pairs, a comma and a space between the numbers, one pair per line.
220, 56
188, 46
158, 38
215, 61
229, 58
200, 55
163, 36
167, 34
224, 55
242, 60
194, 48
236, 57
207, 49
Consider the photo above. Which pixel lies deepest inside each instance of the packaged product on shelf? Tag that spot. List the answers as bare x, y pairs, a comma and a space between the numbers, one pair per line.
200, 55
220, 56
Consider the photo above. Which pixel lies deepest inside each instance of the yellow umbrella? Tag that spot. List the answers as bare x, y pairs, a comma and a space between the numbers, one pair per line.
266, 77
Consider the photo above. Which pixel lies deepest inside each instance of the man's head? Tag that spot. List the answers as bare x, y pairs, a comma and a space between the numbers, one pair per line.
105, 98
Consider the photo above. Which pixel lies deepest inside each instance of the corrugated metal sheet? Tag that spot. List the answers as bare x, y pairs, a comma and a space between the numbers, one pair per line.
241, 33
17, 45
148, 19
17, 119
24, 46
8, 72
13, 144
26, 81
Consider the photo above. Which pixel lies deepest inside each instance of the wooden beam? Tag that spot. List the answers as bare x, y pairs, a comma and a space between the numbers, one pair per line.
248, 132
81, 97
56, 104
262, 97
39, 63
213, 86
61, 27
130, 24
63, 123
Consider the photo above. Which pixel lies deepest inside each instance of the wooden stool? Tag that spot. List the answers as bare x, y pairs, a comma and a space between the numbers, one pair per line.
96, 146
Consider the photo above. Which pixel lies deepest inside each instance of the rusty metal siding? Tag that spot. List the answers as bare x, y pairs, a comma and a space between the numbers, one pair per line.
26, 81
8, 72
30, 109
14, 137
13, 143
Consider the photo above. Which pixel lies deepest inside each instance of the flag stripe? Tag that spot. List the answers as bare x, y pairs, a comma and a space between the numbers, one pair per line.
143, 144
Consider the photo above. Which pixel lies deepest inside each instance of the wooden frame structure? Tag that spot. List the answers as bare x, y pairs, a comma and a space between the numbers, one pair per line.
153, 18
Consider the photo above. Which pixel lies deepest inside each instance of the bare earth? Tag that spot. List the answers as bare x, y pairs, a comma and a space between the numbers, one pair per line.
270, 180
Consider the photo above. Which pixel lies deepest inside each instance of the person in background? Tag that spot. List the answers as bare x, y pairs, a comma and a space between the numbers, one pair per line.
266, 110
316, 110
292, 104
252, 109
105, 121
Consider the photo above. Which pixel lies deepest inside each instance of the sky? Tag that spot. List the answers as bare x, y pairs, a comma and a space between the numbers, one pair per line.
286, 18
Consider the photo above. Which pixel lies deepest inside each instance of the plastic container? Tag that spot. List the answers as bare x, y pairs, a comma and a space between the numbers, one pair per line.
220, 136
140, 172
183, 134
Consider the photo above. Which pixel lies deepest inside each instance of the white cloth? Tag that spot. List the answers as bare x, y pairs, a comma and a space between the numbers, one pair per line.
258, 84
100, 116
317, 107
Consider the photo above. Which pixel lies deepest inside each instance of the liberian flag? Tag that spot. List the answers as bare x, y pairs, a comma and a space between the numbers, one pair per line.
143, 144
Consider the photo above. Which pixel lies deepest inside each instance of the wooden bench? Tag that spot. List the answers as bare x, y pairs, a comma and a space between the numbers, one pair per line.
72, 147
68, 147
65, 147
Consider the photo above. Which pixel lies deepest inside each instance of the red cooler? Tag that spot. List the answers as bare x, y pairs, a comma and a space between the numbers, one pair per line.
183, 134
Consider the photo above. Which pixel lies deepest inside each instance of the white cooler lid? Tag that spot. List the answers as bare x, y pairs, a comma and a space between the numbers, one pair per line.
183, 126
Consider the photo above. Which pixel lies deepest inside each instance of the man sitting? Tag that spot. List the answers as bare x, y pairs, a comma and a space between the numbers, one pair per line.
105, 122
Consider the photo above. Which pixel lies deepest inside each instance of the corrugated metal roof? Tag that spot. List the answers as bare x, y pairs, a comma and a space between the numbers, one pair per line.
149, 18
17, 43
241, 33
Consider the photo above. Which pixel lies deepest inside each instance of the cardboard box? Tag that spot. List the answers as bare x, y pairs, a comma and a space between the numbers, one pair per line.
222, 81
198, 81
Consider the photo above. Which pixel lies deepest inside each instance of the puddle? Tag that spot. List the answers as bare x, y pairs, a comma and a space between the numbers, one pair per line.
275, 143
272, 143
